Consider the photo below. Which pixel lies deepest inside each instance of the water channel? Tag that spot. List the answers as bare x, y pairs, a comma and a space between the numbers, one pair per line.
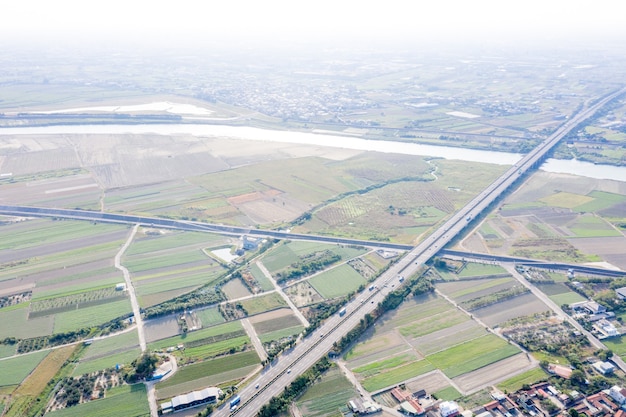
574, 167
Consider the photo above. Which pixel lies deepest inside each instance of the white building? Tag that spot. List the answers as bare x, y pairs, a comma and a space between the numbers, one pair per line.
448, 408
618, 394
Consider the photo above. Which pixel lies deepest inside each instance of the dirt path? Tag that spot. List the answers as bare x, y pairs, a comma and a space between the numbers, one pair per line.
137, 314
291, 305
256, 342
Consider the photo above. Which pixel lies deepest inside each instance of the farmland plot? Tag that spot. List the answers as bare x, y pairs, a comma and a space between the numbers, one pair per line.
328, 396
337, 282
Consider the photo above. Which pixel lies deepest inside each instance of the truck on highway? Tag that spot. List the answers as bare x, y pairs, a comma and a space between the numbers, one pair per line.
235, 402
342, 312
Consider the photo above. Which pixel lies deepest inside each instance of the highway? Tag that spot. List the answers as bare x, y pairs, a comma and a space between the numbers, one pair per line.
275, 377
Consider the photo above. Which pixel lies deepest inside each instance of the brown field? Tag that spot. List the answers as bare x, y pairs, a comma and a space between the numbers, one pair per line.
431, 382
523, 305
491, 374
612, 249
448, 337
47, 368
161, 328
235, 289
303, 294
271, 315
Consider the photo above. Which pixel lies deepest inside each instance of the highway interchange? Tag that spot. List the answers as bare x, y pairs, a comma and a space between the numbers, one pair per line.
275, 377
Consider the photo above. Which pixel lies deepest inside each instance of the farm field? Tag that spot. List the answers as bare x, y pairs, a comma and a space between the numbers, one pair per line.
37, 381
223, 335
168, 264
337, 282
284, 255
558, 217
328, 396
263, 303
208, 373
14, 370
106, 353
425, 334
126, 400
66, 276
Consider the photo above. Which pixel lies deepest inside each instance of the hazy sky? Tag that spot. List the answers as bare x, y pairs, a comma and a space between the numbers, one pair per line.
224, 19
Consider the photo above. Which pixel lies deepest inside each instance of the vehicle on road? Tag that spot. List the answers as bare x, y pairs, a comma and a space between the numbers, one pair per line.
342, 312
235, 402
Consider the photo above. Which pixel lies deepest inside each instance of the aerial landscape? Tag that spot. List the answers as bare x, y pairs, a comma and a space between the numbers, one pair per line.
329, 210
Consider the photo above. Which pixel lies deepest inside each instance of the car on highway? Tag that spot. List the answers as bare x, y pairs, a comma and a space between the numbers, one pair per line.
289, 370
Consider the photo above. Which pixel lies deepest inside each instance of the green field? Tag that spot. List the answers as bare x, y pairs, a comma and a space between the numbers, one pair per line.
172, 240
263, 303
472, 355
90, 316
264, 282
14, 370
481, 285
280, 334
388, 363
106, 361
215, 331
591, 226
397, 375
437, 322
515, 383
337, 282
212, 367
328, 395
42, 232
127, 401
209, 316
104, 346
447, 394
601, 200
16, 323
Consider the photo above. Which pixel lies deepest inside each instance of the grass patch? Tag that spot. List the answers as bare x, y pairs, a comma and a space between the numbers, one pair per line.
566, 200
438, 322
337, 282
475, 269
447, 394
264, 282
601, 200
569, 297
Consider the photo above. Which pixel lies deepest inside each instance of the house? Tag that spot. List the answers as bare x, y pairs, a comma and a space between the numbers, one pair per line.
412, 407
250, 243
605, 368
606, 328
621, 293
564, 372
448, 409
618, 394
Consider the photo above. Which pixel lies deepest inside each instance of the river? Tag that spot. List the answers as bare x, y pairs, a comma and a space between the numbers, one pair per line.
574, 167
